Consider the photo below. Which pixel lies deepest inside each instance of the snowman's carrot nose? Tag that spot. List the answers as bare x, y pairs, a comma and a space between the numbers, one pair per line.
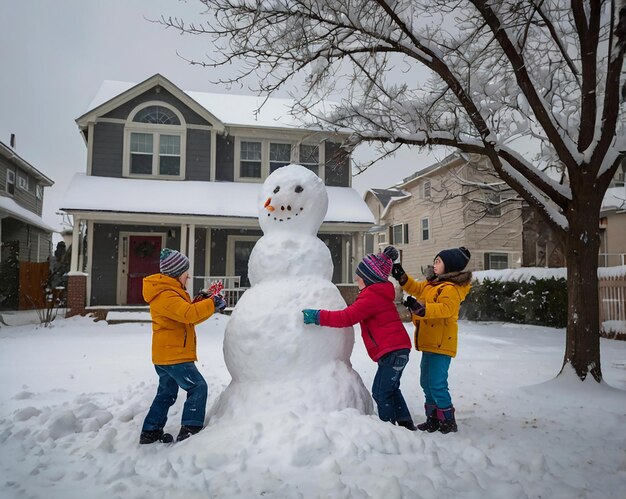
268, 205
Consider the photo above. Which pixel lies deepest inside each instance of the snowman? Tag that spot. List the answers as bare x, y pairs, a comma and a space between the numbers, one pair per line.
277, 363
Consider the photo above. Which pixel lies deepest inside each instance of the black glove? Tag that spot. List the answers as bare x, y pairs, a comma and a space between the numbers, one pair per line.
397, 271
202, 295
416, 307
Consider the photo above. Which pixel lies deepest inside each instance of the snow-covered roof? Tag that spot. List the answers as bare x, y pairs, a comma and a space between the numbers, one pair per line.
385, 196
216, 199
231, 109
614, 199
9, 206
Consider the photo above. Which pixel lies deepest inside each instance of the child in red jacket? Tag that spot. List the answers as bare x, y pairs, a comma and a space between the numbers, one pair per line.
383, 333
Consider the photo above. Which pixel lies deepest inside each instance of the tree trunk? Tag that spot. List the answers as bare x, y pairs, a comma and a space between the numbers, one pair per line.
582, 244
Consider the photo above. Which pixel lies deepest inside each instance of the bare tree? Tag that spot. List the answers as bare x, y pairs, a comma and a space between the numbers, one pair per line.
549, 70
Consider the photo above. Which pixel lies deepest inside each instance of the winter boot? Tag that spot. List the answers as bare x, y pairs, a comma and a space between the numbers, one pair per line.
432, 423
186, 431
447, 423
151, 436
408, 425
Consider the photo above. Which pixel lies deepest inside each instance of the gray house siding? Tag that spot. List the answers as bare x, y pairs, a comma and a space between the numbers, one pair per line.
225, 160
198, 155
337, 165
35, 245
108, 150
25, 198
191, 117
105, 260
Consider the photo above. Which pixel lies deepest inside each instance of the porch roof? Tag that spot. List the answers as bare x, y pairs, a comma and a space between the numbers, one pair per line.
218, 199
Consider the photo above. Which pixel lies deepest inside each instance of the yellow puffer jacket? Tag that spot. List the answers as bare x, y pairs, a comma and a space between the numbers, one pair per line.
173, 319
437, 330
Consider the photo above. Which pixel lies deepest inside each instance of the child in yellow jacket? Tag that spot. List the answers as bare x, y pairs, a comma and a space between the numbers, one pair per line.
174, 316
434, 305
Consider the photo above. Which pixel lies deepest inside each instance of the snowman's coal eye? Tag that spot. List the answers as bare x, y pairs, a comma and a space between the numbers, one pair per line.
299, 188
277, 189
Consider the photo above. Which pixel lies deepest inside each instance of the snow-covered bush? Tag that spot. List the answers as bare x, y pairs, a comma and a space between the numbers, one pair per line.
540, 301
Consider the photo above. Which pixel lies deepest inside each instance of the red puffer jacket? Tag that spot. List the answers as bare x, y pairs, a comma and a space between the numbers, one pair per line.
381, 327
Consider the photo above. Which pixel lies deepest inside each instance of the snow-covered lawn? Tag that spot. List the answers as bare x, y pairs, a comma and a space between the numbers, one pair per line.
73, 398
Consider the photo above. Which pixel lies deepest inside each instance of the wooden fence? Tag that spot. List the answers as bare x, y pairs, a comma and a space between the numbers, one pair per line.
33, 277
612, 291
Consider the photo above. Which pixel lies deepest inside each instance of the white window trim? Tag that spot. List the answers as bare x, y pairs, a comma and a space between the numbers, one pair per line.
403, 229
156, 130
422, 228
39, 191
230, 251
265, 156
22, 182
498, 253
10, 180
426, 183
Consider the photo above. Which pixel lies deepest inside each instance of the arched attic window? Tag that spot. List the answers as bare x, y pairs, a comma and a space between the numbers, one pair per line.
154, 142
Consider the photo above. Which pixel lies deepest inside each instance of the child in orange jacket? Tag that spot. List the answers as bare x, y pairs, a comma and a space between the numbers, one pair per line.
174, 316
434, 305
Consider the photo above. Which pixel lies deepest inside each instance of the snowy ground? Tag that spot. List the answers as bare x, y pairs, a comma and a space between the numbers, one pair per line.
73, 399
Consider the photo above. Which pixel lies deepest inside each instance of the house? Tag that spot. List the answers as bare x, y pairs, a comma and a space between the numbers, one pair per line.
26, 238
180, 169
460, 201
456, 202
613, 221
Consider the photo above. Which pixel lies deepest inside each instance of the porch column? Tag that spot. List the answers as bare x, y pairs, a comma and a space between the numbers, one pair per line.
76, 280
192, 254
183, 239
75, 243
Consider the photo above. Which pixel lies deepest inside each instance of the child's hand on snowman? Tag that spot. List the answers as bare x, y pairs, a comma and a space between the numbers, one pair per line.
311, 316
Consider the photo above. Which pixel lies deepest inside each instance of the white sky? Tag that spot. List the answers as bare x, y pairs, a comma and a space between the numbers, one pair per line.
56, 54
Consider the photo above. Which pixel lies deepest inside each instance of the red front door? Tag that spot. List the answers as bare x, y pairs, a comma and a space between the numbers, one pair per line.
143, 260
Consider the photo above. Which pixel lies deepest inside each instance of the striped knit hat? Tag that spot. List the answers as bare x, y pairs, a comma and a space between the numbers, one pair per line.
173, 263
375, 268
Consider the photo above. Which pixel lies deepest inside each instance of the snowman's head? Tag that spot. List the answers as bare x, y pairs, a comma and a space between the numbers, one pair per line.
292, 199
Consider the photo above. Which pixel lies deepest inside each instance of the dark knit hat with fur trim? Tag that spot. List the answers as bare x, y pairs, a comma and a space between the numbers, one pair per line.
455, 259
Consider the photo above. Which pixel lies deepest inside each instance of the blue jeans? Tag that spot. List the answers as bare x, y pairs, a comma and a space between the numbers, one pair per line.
434, 379
187, 377
386, 387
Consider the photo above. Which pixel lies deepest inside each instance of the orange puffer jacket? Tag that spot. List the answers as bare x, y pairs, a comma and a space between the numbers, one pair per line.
173, 319
437, 330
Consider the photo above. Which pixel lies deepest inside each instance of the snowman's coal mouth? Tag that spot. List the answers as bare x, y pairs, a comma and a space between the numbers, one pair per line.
290, 212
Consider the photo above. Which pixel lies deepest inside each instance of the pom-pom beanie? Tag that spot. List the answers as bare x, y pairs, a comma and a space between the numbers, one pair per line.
173, 263
375, 268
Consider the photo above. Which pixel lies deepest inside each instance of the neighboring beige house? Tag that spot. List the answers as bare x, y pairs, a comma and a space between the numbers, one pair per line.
447, 205
613, 222
460, 202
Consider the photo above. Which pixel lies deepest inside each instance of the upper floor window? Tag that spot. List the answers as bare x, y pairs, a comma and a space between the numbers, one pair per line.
425, 227
426, 189
280, 155
22, 182
10, 187
255, 159
39, 191
154, 142
493, 202
158, 115
310, 157
251, 159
